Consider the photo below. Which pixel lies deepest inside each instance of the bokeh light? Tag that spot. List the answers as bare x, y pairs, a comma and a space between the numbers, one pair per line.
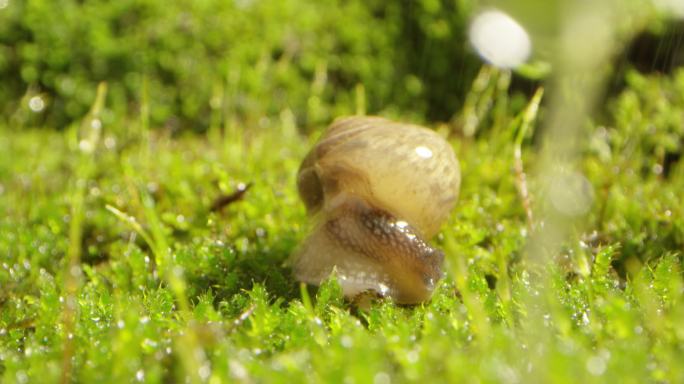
571, 193
36, 103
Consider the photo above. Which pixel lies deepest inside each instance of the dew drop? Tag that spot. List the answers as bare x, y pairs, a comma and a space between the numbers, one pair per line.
585, 319
382, 378
110, 142
86, 146
596, 365
204, 371
237, 370
346, 341
96, 124
412, 357
21, 377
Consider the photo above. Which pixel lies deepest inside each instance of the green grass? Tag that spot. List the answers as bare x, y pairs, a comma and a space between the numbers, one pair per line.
113, 268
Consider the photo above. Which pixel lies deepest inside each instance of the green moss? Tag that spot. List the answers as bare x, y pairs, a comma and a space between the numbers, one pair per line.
164, 289
216, 58
249, 318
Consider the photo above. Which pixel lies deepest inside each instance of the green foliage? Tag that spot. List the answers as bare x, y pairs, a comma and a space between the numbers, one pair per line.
635, 160
170, 289
115, 268
651, 122
218, 62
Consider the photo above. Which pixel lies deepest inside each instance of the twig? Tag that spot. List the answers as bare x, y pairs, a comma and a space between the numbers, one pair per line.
225, 200
528, 116
243, 316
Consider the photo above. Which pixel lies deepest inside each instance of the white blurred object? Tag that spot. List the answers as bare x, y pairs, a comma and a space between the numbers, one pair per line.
499, 39
675, 7
571, 193
36, 103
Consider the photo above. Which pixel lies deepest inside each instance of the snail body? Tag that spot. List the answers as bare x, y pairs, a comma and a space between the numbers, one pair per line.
377, 190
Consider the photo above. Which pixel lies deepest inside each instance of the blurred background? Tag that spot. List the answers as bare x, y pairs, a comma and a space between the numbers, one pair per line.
148, 156
213, 63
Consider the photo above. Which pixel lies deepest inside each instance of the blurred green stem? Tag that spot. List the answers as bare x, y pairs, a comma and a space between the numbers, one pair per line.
88, 141
580, 70
188, 346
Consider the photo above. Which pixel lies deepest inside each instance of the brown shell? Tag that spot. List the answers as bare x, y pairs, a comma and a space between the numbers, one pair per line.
379, 189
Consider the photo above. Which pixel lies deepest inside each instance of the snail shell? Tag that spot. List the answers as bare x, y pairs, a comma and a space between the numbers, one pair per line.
377, 190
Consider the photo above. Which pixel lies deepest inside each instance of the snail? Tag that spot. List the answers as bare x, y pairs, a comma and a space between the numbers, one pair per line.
377, 191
